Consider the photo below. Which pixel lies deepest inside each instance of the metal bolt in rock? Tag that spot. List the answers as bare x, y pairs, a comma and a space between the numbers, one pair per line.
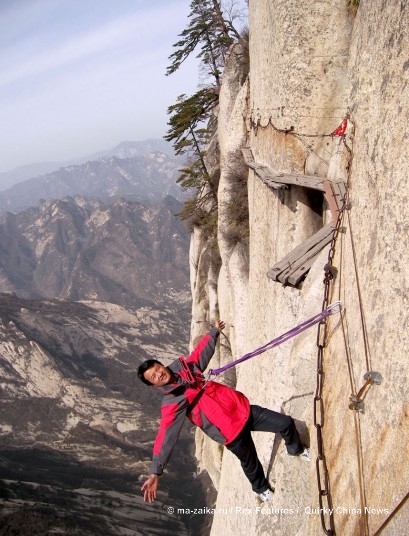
357, 401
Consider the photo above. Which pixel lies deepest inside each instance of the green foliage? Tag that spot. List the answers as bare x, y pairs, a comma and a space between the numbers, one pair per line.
209, 30
200, 217
189, 137
211, 34
244, 57
188, 116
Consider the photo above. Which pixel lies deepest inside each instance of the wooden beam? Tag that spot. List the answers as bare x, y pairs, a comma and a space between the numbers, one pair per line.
294, 265
308, 181
342, 188
331, 200
302, 265
300, 272
264, 173
334, 193
277, 180
301, 249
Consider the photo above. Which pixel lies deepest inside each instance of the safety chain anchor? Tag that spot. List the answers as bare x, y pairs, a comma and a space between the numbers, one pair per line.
357, 401
321, 464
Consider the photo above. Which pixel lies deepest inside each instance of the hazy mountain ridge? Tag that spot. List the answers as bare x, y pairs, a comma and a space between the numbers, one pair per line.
144, 178
125, 149
130, 149
126, 253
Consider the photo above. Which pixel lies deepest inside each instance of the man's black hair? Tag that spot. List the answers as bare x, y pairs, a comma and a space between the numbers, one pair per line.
144, 367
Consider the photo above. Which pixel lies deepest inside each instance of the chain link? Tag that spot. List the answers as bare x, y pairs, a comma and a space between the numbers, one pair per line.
321, 464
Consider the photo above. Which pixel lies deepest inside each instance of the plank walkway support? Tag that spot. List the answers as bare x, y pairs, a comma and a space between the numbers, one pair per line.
292, 269
334, 194
281, 180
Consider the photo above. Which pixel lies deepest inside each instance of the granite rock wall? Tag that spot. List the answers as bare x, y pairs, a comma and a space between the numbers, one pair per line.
311, 65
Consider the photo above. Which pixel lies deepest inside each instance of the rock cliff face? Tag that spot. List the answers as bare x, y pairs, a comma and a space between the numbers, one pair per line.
311, 65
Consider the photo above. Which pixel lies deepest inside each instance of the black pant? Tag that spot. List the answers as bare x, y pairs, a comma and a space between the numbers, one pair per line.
263, 420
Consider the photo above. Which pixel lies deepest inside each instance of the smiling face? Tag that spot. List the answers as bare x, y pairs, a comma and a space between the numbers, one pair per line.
158, 375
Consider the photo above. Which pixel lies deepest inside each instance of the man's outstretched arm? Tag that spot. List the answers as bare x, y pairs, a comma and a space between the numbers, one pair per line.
173, 416
204, 351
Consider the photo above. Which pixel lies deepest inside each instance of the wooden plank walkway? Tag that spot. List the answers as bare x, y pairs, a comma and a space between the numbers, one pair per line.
291, 269
294, 266
281, 180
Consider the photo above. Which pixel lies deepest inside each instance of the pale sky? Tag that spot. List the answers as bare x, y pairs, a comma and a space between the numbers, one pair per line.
80, 76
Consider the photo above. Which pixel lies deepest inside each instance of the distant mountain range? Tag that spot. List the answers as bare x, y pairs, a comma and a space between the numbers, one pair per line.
126, 149
127, 253
144, 178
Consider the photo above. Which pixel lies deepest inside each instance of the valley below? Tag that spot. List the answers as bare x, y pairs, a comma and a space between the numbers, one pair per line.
77, 426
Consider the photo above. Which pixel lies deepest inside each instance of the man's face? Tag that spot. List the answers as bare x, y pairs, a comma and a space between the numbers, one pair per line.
158, 375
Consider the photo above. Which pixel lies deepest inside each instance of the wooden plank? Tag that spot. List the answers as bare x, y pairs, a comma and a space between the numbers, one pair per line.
300, 268
275, 185
297, 264
276, 270
263, 173
307, 181
337, 189
272, 178
300, 272
340, 189
334, 193
300, 250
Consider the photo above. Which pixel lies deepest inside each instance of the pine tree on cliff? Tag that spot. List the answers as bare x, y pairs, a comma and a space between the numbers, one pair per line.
189, 137
210, 32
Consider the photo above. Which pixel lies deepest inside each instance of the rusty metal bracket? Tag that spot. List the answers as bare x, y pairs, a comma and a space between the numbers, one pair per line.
357, 401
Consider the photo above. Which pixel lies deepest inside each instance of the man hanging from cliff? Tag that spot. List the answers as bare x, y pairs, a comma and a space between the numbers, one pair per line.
223, 413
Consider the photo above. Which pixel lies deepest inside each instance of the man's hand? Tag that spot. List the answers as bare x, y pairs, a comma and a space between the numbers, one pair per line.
149, 488
219, 324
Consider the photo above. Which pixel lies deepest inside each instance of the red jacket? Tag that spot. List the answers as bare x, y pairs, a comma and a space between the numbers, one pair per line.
221, 412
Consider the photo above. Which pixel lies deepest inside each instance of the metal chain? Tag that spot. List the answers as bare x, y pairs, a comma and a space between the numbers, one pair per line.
321, 464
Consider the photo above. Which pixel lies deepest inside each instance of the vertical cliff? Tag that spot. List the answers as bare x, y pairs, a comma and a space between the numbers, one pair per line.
312, 64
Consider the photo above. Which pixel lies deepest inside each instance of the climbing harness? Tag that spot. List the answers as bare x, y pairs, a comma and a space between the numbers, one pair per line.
329, 310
